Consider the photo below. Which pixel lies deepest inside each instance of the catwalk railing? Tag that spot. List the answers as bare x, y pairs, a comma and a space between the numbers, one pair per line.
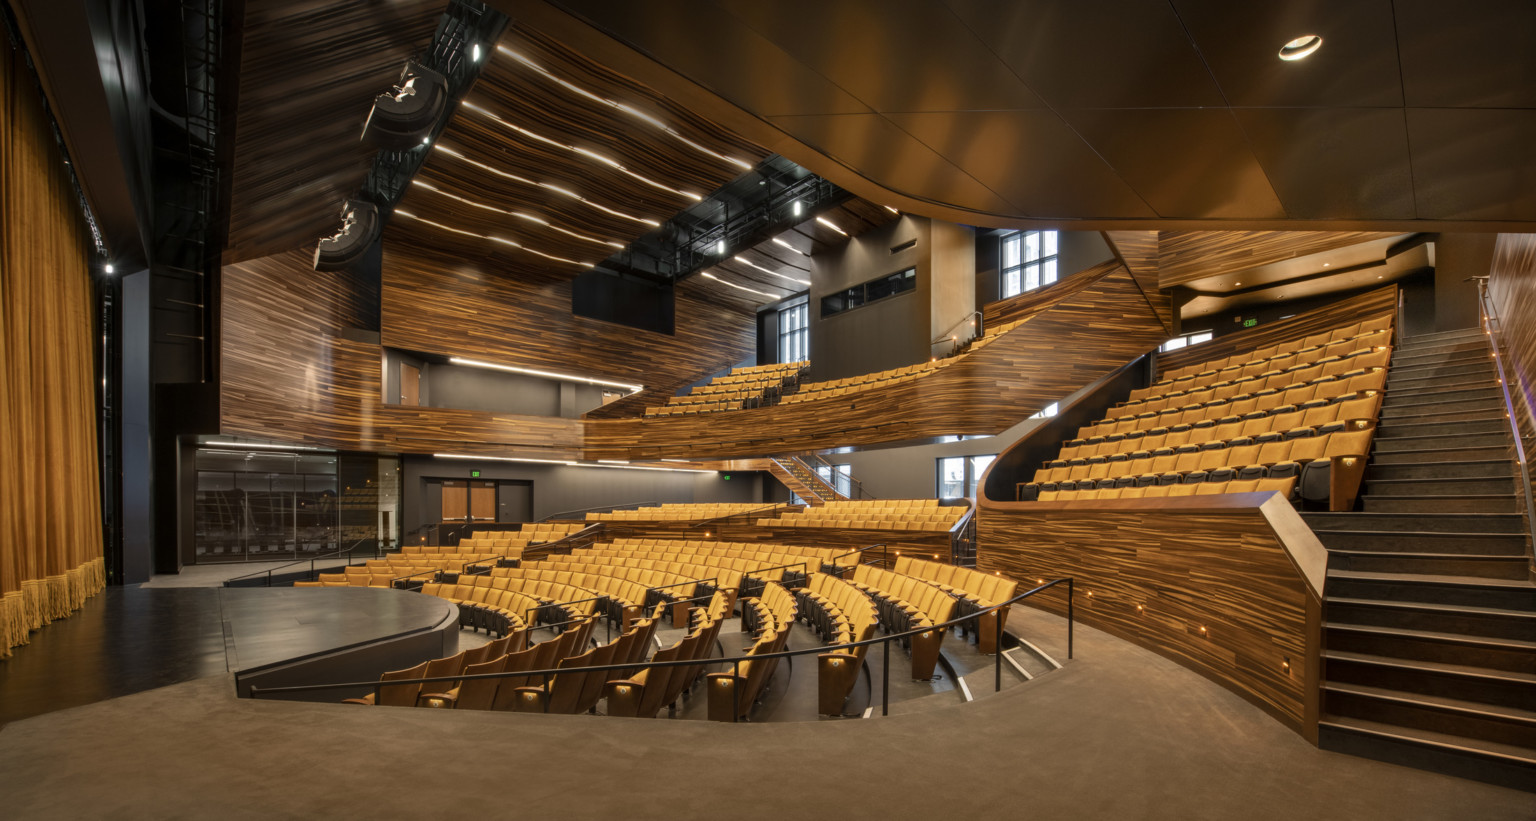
734, 662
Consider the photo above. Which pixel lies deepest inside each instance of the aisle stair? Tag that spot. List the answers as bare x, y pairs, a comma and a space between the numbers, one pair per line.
1429, 635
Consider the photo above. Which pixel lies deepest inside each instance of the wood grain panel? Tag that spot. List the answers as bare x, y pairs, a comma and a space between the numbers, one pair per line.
1512, 290
50, 491
309, 71
1186, 256
1187, 564
1138, 250
1088, 334
1027, 304
1368, 305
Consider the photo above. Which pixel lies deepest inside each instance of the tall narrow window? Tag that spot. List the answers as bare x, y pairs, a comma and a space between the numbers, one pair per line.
961, 475
1029, 261
794, 333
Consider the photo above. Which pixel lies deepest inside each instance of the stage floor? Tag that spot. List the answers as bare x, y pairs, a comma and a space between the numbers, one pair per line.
127, 640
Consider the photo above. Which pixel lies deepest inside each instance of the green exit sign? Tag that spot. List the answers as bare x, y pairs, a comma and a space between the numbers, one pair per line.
474, 474
726, 477
1249, 323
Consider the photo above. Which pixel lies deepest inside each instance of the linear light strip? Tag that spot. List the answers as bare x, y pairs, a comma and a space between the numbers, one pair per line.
790, 247
608, 161
565, 462
502, 240
832, 225
624, 108
245, 445
708, 275
518, 214
771, 273
475, 363
565, 192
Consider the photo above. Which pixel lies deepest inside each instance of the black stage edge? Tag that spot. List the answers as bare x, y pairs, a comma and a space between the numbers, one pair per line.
127, 640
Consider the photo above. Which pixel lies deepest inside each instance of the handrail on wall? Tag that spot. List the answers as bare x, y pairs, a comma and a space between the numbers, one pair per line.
1494, 329
976, 318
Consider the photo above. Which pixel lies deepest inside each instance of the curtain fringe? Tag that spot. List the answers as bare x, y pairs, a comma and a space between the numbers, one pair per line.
41, 601
13, 622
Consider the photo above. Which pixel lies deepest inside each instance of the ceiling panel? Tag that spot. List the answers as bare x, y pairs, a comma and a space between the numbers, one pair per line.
1185, 163
894, 55
1334, 163
874, 147
1477, 53
1094, 55
1357, 65
1033, 159
1474, 163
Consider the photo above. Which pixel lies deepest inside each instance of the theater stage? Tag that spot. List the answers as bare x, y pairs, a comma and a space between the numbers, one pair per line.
127, 640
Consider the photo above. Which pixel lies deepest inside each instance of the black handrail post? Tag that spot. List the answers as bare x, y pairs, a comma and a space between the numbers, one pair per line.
546, 693
735, 691
997, 685
885, 679
1070, 595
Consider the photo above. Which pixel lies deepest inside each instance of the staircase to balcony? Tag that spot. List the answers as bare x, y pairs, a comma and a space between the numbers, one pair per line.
1429, 635
801, 478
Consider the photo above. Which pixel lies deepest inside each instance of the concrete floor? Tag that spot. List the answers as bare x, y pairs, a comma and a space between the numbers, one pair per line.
1118, 733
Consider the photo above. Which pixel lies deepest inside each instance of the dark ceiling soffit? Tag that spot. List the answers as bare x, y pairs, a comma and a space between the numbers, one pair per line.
1396, 249
582, 34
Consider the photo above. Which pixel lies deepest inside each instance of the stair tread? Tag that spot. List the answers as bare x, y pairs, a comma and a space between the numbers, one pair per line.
1432, 666
1442, 702
1366, 516
1433, 479
1431, 578
1410, 554
1408, 496
1462, 436
1457, 638
1444, 464
1520, 755
1439, 534
1433, 607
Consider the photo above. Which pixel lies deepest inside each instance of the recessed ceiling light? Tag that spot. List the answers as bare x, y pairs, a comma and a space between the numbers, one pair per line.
1301, 48
1237, 284
1326, 264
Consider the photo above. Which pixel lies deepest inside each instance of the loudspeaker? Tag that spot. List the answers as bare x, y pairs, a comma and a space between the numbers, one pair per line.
403, 117
359, 228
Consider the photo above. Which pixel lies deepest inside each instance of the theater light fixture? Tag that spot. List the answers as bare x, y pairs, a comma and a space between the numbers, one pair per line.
502, 240
832, 225
798, 208
772, 273
109, 269
564, 192
1301, 48
589, 154
474, 52
537, 220
624, 108
475, 363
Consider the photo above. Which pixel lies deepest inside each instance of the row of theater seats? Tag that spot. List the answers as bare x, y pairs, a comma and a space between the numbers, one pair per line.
678, 512
842, 614
769, 617
1243, 359
908, 603
372, 574
642, 693
531, 533
811, 391
502, 604
411, 695
743, 387
881, 514
973, 591
1286, 487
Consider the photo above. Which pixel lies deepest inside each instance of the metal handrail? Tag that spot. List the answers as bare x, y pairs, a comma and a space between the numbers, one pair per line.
735, 662
311, 561
752, 512
595, 508
947, 336
819, 461
1490, 318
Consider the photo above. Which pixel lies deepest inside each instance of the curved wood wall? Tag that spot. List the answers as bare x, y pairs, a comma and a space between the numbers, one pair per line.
50, 488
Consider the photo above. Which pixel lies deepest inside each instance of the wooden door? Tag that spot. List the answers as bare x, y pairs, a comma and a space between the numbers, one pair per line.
410, 384
482, 501
455, 501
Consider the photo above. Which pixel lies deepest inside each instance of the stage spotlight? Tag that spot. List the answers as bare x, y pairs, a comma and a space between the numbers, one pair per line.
359, 228
405, 116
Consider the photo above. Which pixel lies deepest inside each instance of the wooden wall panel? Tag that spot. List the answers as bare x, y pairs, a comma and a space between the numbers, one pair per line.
289, 373
309, 70
1027, 304
1138, 250
1186, 256
1095, 330
1354, 309
1189, 564
50, 490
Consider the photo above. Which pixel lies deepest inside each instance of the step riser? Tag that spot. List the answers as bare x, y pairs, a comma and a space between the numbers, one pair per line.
1400, 429
1478, 367
1499, 468
1487, 691
1439, 394
1408, 754
1517, 599
1395, 444
1432, 356
1440, 418
1425, 649
1386, 711
1512, 568
1449, 347
1387, 504
1423, 524
1487, 544
1465, 623
1436, 411
1440, 487
1457, 455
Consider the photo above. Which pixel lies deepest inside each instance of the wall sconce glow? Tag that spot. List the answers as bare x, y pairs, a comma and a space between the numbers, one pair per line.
1301, 48
475, 363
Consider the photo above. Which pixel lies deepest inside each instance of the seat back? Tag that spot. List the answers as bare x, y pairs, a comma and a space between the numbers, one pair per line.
402, 695
480, 694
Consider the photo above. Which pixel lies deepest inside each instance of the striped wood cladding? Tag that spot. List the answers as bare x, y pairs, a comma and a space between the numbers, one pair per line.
1187, 256
1090, 333
1029, 303
50, 489
1138, 250
1238, 567
289, 374
1343, 312
1512, 289
308, 73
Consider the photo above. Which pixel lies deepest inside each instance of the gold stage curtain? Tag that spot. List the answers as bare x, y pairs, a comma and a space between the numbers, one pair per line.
50, 493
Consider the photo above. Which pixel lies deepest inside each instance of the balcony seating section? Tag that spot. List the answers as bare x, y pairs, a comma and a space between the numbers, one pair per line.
843, 615
810, 391
877, 514
770, 616
1288, 410
908, 603
973, 590
681, 512
740, 388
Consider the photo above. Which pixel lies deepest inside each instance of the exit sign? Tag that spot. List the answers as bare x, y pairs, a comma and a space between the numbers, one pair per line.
474, 474
1249, 323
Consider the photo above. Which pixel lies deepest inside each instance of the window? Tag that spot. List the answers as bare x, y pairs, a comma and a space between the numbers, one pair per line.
876, 289
960, 475
794, 333
1047, 412
1185, 341
1029, 261
840, 477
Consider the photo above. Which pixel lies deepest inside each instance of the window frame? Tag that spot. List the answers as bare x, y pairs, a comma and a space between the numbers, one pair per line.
795, 342
970, 474
1017, 272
